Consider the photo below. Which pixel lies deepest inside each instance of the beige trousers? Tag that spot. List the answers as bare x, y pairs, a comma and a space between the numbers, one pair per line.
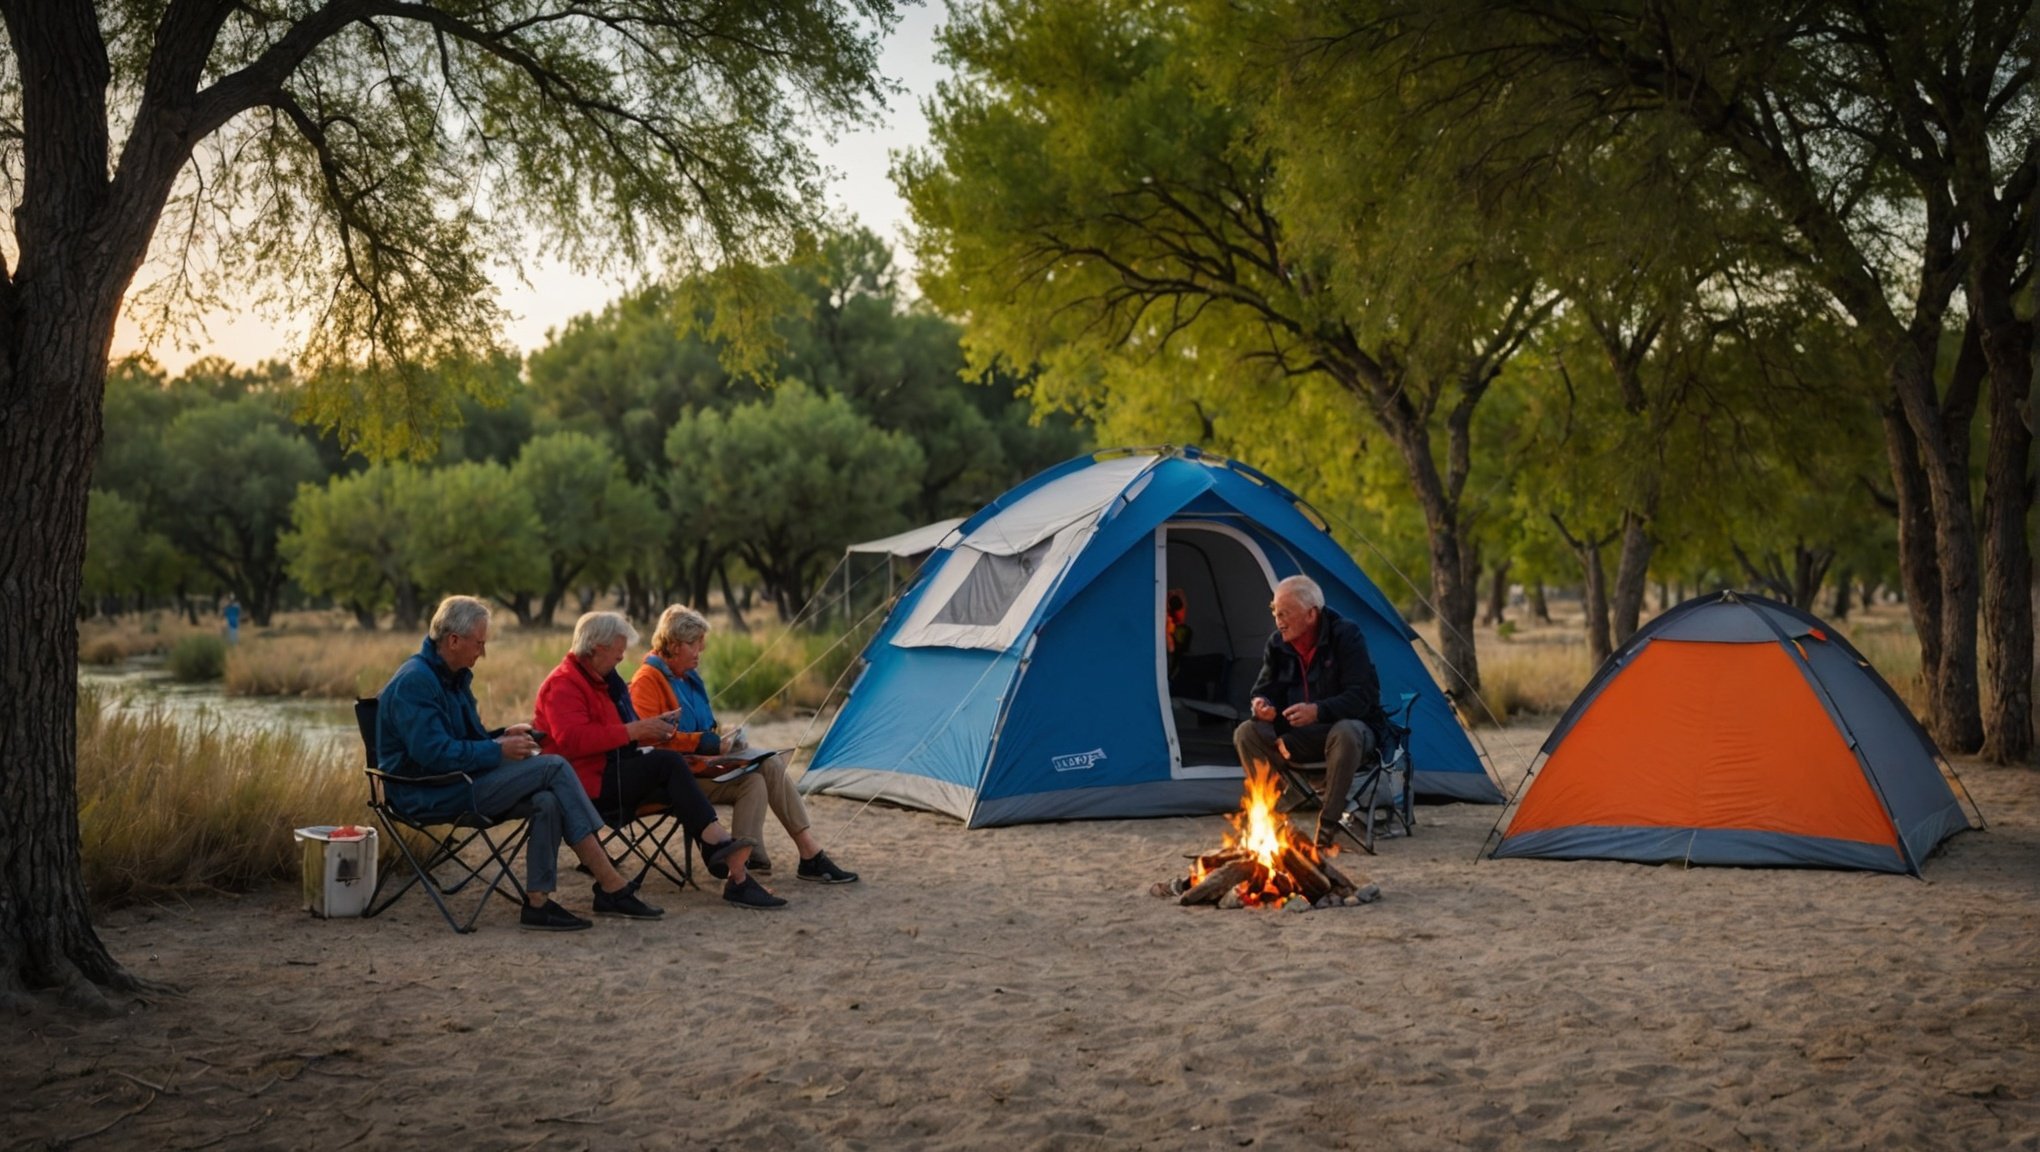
751, 795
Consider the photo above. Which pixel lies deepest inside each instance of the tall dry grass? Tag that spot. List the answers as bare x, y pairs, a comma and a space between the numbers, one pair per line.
347, 665
151, 634
168, 809
1527, 678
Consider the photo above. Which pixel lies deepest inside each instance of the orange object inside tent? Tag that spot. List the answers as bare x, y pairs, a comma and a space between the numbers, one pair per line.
1707, 735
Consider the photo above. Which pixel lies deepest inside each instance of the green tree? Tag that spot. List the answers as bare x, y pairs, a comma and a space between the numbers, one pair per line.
479, 534
593, 522
360, 163
124, 557
354, 541
789, 481
236, 470
1122, 182
1892, 143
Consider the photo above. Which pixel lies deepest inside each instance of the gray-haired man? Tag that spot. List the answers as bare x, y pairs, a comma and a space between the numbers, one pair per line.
1317, 697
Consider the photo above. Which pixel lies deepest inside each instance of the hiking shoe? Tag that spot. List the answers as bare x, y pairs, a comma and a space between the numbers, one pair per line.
758, 863
751, 894
822, 870
550, 917
624, 902
717, 856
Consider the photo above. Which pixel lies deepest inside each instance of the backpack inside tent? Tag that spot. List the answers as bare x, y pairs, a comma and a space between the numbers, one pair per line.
1737, 730
1027, 674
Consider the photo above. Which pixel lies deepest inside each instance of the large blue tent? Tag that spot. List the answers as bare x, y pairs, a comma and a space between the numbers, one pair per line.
1024, 675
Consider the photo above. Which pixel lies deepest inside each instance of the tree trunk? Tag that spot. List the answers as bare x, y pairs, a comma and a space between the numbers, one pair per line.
364, 618
1631, 572
2008, 562
1839, 610
1918, 573
519, 604
1539, 608
1498, 593
737, 621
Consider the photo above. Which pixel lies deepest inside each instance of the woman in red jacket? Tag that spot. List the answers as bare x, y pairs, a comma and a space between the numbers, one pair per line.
585, 713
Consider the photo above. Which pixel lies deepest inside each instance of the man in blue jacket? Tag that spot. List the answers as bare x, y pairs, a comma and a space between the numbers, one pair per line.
1318, 697
427, 724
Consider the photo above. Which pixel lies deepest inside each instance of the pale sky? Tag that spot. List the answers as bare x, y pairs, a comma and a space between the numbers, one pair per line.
860, 189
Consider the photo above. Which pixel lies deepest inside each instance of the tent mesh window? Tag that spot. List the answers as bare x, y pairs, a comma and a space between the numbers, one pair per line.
993, 584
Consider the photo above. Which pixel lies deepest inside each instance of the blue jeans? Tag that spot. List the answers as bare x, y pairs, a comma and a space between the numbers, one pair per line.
560, 811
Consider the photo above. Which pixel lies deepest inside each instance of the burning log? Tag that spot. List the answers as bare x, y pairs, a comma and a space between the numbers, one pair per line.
1218, 882
1265, 863
1313, 881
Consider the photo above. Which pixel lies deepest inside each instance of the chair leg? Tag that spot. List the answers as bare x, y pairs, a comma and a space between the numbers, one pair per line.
446, 850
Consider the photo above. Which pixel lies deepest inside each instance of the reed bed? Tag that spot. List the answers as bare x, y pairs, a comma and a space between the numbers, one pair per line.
105, 642
168, 809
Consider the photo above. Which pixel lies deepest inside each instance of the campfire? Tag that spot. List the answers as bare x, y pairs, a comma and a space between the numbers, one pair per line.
1264, 863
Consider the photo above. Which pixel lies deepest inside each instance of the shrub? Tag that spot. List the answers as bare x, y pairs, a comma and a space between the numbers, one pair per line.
102, 651
747, 672
166, 809
198, 657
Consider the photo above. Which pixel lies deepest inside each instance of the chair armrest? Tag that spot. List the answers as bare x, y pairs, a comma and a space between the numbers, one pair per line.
439, 778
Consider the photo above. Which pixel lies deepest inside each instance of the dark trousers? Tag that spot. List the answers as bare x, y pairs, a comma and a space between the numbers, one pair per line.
1346, 748
658, 775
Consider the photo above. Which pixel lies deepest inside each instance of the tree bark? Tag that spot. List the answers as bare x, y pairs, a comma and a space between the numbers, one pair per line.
1844, 587
1539, 607
1595, 594
1632, 571
1498, 593
2008, 563
80, 240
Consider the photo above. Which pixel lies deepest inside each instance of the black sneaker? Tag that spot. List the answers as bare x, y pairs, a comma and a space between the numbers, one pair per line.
550, 917
751, 894
624, 902
822, 870
759, 863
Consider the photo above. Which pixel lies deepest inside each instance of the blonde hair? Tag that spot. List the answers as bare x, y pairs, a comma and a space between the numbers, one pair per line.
678, 625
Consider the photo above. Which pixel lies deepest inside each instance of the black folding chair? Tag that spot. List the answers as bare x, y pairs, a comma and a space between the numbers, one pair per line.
1381, 792
645, 838
501, 837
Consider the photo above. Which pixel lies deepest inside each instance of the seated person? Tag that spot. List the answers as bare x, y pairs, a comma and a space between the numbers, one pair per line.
669, 683
1176, 632
1317, 693
585, 712
427, 724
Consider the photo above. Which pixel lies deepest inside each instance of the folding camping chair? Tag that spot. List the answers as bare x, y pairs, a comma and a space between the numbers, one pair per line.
499, 839
1381, 792
645, 837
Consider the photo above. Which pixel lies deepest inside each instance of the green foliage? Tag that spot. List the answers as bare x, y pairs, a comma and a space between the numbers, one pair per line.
198, 658
788, 481
742, 675
225, 506
122, 557
478, 533
593, 522
354, 541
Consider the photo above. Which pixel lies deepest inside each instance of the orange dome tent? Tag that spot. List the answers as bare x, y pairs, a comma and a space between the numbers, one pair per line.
1737, 730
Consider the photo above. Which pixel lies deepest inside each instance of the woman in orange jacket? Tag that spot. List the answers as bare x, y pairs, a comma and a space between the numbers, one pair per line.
669, 683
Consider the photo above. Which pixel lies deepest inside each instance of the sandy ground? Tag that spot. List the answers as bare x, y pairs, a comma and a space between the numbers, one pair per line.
1017, 987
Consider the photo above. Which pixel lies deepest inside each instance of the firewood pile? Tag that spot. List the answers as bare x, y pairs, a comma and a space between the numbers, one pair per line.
1265, 864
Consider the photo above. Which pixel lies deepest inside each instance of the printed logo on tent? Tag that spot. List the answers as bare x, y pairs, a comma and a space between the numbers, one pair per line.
1076, 761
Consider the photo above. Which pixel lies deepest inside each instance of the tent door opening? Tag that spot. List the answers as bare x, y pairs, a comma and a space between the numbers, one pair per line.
1226, 582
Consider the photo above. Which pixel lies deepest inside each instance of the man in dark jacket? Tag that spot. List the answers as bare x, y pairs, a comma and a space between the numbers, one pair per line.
1317, 697
427, 724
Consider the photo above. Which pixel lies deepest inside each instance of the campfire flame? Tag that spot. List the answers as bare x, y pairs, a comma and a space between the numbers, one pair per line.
1265, 834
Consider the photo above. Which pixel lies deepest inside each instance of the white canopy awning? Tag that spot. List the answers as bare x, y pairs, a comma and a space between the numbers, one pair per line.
912, 542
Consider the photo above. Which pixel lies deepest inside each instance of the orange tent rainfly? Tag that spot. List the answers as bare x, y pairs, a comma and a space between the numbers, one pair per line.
1738, 730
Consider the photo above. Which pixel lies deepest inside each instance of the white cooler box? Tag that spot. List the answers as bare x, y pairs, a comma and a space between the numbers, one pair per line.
339, 867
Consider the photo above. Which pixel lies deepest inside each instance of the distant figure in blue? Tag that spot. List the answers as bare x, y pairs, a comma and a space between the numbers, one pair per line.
233, 614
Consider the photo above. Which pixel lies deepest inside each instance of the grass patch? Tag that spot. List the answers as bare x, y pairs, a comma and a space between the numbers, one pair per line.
1537, 679
151, 634
348, 665
166, 810
198, 658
